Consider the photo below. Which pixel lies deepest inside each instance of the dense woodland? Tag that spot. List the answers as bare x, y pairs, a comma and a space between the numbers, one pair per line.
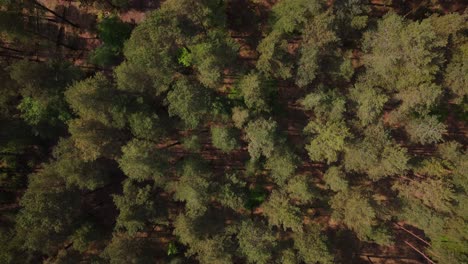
233, 131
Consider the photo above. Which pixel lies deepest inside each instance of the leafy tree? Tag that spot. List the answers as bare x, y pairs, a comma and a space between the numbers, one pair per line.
261, 135
224, 138
328, 140
189, 102
288, 17
376, 155
84, 236
192, 187
312, 246
426, 130
326, 105
146, 125
434, 193
136, 207
319, 39
255, 92
282, 213
336, 179
75, 171
232, 192
95, 139
369, 101
192, 143
240, 116
282, 163
208, 249
300, 188
113, 31
256, 242
49, 211
127, 249
355, 210
141, 160
96, 99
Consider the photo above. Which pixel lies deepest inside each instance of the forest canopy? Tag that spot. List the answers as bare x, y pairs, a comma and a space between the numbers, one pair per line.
233, 131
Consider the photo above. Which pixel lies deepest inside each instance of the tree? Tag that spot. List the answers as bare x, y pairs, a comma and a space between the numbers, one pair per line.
141, 161
376, 155
136, 207
75, 171
281, 213
434, 193
282, 164
328, 140
426, 130
95, 139
261, 135
224, 138
113, 32
313, 246
240, 116
188, 101
369, 101
96, 99
355, 210
232, 192
300, 188
256, 242
327, 105
214, 248
288, 17
49, 211
336, 179
192, 187
127, 249
255, 92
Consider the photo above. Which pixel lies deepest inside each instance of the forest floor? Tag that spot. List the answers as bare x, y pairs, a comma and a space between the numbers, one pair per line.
292, 120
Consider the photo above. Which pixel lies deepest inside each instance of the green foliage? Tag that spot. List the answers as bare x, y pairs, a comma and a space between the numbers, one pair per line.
126, 249
255, 92
224, 138
335, 179
256, 242
355, 210
113, 32
281, 213
49, 211
426, 130
369, 102
96, 99
312, 246
136, 207
328, 140
192, 187
300, 188
282, 164
192, 143
141, 160
84, 236
95, 139
146, 125
240, 116
188, 101
185, 57
232, 192
376, 155
326, 105
256, 196
261, 135
75, 171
